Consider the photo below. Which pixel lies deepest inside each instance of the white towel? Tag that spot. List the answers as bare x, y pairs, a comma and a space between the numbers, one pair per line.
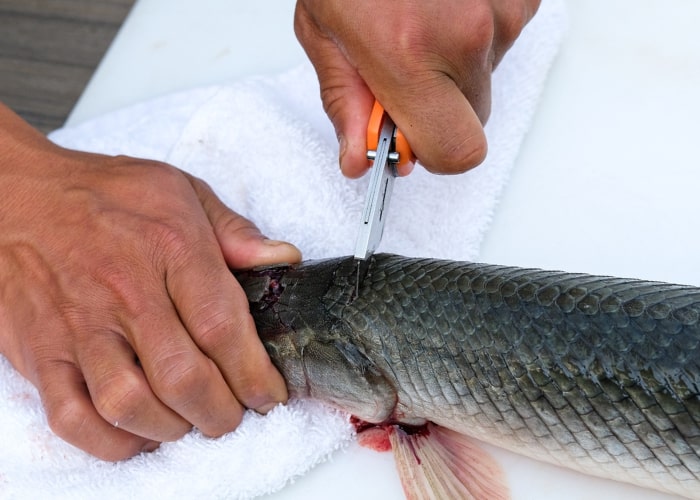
268, 150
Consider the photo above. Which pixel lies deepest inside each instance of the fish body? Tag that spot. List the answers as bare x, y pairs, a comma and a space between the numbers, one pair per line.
598, 374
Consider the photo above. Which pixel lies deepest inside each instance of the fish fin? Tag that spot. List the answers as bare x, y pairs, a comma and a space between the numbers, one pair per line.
435, 462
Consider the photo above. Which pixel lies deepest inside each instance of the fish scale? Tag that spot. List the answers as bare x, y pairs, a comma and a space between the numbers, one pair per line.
598, 374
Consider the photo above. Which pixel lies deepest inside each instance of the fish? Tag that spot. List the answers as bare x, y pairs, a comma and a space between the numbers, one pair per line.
434, 357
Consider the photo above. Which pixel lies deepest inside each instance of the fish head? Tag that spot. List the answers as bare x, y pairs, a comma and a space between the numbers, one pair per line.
314, 350
337, 371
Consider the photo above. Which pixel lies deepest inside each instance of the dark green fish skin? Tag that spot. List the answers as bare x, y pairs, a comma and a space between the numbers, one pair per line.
598, 374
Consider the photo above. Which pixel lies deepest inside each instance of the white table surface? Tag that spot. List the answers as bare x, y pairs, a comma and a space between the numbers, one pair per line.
606, 181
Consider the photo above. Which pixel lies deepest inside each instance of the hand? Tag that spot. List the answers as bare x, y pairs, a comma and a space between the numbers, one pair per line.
116, 299
428, 63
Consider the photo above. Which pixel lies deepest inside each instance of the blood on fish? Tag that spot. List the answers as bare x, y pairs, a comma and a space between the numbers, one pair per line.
376, 436
274, 286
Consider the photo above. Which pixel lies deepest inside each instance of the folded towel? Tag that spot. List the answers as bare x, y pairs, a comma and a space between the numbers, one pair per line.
268, 150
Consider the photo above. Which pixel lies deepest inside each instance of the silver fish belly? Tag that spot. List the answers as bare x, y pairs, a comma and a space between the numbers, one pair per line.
598, 374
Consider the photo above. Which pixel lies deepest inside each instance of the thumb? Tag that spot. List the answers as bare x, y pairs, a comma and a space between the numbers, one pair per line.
439, 122
346, 98
242, 244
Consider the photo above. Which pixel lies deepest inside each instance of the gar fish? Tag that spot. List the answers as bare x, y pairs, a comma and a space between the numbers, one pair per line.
598, 374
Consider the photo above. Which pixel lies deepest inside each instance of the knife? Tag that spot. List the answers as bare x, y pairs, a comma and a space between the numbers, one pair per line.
387, 150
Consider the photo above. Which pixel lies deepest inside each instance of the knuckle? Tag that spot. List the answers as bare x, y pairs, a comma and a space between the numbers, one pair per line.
302, 23
149, 168
170, 237
169, 178
120, 400
180, 379
409, 37
66, 418
152, 182
237, 226
332, 99
414, 45
480, 28
169, 240
511, 22
215, 321
211, 329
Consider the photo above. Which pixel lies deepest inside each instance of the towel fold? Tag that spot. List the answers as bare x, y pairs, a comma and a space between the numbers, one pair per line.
270, 153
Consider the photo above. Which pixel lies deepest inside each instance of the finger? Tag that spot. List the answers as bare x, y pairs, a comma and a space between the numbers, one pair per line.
215, 311
121, 394
179, 373
242, 243
447, 135
232, 340
346, 98
73, 418
512, 16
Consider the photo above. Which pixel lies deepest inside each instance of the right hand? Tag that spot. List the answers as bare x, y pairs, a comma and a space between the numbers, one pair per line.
116, 299
429, 63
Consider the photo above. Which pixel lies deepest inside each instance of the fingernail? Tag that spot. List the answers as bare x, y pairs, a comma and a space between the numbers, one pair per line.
150, 447
266, 408
342, 147
273, 243
283, 250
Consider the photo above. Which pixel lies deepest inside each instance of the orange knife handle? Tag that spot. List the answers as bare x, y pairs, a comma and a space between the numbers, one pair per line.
376, 119
406, 156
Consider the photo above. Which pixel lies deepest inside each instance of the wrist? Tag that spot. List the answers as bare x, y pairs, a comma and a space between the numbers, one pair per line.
21, 145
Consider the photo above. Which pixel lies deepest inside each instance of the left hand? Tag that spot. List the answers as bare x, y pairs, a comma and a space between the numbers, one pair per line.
116, 298
428, 62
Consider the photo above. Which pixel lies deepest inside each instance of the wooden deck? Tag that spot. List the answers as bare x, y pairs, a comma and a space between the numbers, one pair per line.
48, 51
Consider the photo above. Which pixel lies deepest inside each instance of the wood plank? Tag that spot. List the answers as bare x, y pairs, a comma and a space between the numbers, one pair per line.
48, 51
97, 11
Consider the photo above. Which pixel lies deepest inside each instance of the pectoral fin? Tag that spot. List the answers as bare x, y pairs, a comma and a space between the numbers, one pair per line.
435, 462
